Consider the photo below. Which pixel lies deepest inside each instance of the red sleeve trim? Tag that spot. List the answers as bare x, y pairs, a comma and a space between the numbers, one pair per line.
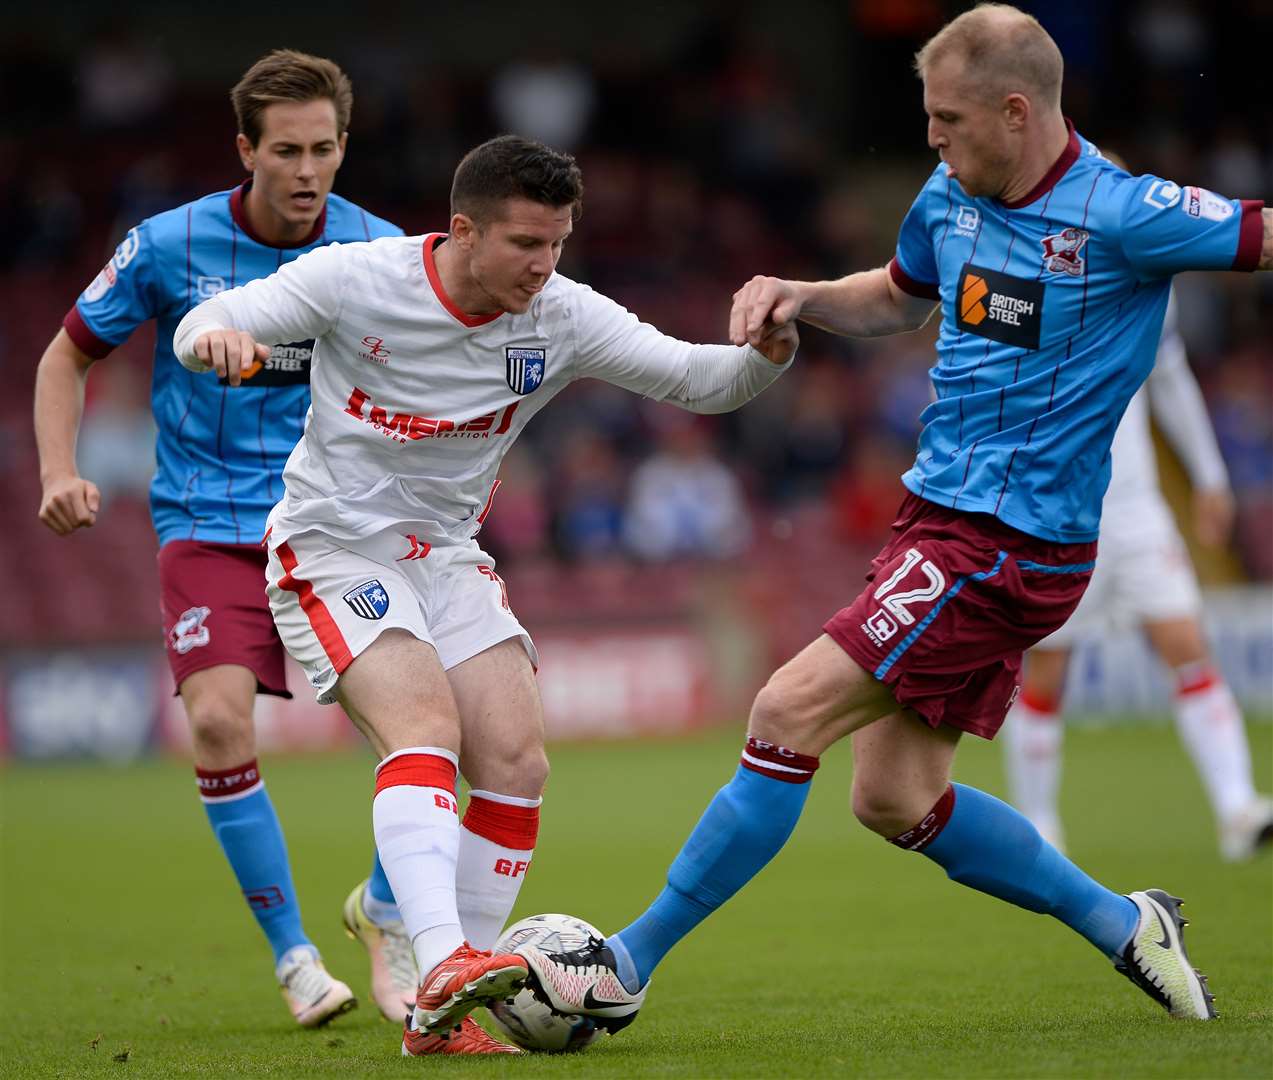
1250, 236
908, 284
87, 341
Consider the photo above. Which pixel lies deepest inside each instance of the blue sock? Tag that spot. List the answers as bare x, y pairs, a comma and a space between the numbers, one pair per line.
249, 833
378, 884
744, 827
987, 845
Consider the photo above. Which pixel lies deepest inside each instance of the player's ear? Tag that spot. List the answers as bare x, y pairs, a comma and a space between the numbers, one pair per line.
1016, 111
463, 230
247, 154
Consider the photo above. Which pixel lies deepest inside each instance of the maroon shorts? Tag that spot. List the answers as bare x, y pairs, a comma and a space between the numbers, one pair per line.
216, 612
954, 600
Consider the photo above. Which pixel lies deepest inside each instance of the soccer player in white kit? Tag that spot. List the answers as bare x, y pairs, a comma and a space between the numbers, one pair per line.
431, 354
1144, 578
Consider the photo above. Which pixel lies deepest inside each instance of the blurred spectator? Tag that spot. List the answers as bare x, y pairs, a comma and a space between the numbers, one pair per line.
684, 503
123, 79
588, 500
547, 98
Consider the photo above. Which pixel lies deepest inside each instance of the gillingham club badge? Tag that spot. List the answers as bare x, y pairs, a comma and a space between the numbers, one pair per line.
525, 368
369, 600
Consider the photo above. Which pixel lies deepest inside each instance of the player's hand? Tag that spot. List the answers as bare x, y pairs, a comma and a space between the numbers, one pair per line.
1213, 514
230, 353
778, 343
761, 305
69, 503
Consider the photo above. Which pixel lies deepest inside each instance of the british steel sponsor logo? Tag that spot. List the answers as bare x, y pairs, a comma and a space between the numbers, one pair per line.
403, 426
1063, 251
287, 365
373, 349
1000, 307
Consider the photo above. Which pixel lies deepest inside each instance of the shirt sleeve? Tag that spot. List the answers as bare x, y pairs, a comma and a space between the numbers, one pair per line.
914, 267
300, 300
1166, 228
1181, 413
122, 296
614, 345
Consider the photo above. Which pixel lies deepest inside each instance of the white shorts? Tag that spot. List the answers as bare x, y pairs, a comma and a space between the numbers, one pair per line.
1141, 576
332, 600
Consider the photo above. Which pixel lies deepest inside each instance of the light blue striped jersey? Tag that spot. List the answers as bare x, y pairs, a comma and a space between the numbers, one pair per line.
220, 449
1052, 307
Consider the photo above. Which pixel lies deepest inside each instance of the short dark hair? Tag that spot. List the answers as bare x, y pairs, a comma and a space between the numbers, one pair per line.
288, 75
509, 167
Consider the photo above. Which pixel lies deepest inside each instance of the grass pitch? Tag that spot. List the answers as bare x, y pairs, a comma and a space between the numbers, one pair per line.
128, 953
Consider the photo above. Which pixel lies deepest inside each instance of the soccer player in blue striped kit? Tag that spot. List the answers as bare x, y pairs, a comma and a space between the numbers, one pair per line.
221, 452
1051, 267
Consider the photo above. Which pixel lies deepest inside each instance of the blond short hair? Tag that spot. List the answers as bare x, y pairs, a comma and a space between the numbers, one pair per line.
1004, 50
287, 75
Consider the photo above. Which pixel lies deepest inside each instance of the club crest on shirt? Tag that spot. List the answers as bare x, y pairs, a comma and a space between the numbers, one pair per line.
524, 368
1063, 251
369, 600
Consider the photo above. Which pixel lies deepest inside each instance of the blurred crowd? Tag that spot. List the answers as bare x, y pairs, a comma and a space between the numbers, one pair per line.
716, 155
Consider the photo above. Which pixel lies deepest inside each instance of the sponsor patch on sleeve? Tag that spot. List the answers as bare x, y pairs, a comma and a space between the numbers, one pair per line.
999, 306
1201, 203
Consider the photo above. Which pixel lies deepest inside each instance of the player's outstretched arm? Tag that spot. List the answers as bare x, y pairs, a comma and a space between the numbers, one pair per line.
867, 304
68, 501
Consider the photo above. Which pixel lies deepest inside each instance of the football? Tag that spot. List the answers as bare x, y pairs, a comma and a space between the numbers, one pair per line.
527, 1021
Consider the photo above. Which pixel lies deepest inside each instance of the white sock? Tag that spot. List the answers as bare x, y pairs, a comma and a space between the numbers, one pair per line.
497, 840
1211, 727
1032, 750
418, 837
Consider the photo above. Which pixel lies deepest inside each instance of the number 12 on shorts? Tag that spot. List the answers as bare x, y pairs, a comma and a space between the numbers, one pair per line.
894, 610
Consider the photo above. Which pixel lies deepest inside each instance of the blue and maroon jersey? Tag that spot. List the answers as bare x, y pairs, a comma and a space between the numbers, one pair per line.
1052, 307
221, 449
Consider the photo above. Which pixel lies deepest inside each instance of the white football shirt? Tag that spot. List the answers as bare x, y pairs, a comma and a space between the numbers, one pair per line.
415, 402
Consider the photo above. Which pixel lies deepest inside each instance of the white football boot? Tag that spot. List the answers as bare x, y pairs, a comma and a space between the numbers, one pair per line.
393, 968
584, 982
1156, 961
313, 996
1249, 830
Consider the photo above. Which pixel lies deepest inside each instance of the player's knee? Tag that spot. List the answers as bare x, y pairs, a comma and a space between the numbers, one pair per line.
885, 808
220, 730
778, 713
521, 771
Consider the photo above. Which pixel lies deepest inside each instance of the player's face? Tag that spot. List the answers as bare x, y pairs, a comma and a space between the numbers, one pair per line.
293, 167
969, 133
512, 257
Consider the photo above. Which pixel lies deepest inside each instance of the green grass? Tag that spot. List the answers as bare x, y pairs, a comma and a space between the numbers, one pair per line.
123, 932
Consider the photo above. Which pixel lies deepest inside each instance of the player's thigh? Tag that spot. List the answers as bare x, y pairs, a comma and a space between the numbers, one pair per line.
501, 721
398, 695
219, 704
817, 697
215, 612
901, 767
